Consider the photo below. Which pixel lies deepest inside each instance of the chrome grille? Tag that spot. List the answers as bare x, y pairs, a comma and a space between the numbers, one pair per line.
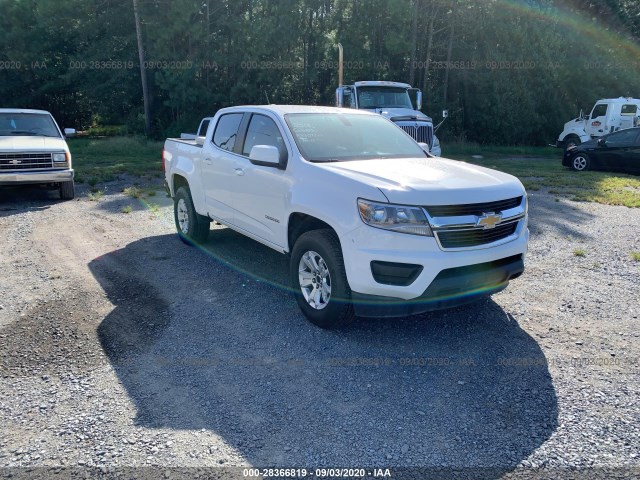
476, 236
25, 161
420, 133
458, 227
473, 208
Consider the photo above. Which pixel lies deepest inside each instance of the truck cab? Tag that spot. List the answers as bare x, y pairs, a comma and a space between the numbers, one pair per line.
392, 100
608, 115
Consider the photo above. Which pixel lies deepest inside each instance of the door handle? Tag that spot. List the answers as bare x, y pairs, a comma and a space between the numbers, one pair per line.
208, 161
239, 171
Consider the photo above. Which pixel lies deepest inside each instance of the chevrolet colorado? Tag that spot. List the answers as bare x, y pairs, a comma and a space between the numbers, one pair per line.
372, 223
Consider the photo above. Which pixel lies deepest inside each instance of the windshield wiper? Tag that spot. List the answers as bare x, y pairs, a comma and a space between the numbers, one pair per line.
22, 132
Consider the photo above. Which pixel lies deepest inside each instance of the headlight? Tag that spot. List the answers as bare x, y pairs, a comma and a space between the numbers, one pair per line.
60, 158
436, 142
397, 218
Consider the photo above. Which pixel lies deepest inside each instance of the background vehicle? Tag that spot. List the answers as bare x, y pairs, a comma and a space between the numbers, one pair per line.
607, 115
372, 223
33, 150
618, 151
393, 101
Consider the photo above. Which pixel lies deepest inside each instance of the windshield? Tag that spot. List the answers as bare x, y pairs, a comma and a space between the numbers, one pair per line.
20, 124
335, 137
383, 97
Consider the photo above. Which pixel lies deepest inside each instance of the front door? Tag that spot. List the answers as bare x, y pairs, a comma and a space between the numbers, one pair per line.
259, 195
597, 120
621, 150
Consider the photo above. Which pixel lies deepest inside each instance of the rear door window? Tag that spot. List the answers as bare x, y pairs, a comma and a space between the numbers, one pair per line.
629, 109
203, 128
227, 131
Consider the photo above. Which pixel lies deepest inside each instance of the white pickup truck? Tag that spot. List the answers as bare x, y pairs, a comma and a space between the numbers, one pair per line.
372, 223
33, 150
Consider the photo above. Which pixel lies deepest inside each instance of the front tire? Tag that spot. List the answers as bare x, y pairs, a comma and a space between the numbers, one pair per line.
571, 141
319, 279
67, 190
580, 162
192, 227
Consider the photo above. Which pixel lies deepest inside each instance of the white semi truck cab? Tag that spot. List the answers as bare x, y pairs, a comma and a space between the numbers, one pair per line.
607, 115
393, 101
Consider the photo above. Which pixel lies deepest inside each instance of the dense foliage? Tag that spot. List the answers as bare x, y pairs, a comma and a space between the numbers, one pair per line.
509, 72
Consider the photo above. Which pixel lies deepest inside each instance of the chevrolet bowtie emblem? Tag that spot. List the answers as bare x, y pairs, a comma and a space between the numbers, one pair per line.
15, 162
489, 220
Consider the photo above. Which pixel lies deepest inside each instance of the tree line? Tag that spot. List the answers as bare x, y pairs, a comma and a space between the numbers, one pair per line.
509, 72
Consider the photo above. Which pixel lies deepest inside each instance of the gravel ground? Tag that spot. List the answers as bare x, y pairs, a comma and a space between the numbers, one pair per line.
125, 353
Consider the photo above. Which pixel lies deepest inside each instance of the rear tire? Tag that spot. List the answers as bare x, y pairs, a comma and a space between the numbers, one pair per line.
319, 279
580, 162
192, 227
67, 190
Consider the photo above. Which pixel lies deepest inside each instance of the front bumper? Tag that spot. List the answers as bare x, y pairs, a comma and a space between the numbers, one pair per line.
365, 245
35, 177
450, 288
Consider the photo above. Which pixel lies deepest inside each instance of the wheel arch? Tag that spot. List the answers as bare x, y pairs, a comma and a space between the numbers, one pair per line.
178, 180
300, 223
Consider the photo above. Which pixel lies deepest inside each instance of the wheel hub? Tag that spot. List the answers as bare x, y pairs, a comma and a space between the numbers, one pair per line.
314, 280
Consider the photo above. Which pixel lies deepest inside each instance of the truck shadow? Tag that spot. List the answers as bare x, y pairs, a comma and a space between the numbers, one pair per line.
200, 343
14, 200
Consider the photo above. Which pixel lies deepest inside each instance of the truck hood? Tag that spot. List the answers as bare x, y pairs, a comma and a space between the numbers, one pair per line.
31, 144
430, 181
575, 123
399, 114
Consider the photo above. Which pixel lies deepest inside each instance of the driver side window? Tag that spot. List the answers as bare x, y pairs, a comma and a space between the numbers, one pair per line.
599, 111
622, 138
263, 131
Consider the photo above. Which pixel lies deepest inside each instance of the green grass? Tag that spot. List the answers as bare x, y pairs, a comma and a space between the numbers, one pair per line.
133, 192
580, 253
103, 159
96, 196
635, 256
539, 168
127, 209
546, 172
465, 151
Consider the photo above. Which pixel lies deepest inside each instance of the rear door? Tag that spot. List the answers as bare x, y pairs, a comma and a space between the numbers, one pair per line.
217, 166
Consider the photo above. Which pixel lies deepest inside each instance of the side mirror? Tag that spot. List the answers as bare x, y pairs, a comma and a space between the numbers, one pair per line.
445, 113
425, 147
265, 155
69, 132
418, 100
200, 140
339, 97
418, 97
602, 142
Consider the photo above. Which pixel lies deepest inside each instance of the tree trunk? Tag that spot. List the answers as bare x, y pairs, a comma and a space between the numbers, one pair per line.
143, 72
449, 50
414, 41
427, 59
